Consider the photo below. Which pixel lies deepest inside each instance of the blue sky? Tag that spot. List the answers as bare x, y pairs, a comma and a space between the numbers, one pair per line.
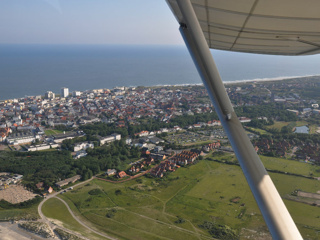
130, 22
88, 22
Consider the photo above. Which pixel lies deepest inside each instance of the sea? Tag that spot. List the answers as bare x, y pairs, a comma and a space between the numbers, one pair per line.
29, 70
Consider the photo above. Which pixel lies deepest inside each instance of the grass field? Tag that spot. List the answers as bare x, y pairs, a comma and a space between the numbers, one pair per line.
52, 132
313, 129
261, 131
16, 214
290, 166
301, 123
278, 125
53, 208
207, 191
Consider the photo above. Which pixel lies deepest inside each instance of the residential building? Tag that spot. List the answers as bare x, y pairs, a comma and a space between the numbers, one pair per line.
64, 92
68, 180
110, 172
82, 146
50, 95
113, 137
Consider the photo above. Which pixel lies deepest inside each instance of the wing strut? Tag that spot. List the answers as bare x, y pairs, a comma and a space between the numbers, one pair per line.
275, 213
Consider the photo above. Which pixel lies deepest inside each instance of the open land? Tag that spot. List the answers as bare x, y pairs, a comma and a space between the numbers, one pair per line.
16, 194
11, 231
150, 210
178, 205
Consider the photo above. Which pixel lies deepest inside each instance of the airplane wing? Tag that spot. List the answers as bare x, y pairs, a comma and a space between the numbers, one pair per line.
280, 27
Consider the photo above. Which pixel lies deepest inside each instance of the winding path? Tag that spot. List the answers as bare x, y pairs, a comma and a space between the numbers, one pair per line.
83, 224
45, 220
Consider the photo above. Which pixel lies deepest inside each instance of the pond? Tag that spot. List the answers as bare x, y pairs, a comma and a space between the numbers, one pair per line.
302, 129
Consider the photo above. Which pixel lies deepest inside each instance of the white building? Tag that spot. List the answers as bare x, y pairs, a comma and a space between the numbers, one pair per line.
244, 119
42, 147
113, 137
21, 138
76, 93
82, 146
49, 95
64, 92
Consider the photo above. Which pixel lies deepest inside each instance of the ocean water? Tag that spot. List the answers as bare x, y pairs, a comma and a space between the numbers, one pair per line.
34, 69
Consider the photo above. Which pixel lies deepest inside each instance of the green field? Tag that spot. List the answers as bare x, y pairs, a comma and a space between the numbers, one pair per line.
313, 129
53, 208
290, 166
261, 131
17, 214
52, 132
278, 125
207, 191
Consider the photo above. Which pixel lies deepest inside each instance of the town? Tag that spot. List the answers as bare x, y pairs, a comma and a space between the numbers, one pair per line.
146, 137
158, 120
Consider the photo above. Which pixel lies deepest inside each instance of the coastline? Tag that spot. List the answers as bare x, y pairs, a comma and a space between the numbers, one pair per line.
283, 78
270, 79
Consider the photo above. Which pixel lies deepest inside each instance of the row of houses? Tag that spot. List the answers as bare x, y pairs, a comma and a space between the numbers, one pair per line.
211, 146
68, 180
112, 172
163, 167
186, 157
182, 159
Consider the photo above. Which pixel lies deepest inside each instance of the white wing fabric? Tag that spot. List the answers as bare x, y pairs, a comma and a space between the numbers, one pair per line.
279, 27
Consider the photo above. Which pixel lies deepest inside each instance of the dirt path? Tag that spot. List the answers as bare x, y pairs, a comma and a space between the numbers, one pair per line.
170, 225
82, 223
53, 226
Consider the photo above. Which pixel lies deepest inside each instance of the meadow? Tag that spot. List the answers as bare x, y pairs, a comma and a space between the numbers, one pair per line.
30, 213
175, 207
55, 209
49, 132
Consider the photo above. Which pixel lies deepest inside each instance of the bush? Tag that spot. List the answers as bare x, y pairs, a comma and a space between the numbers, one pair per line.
179, 220
26, 204
95, 191
220, 231
118, 192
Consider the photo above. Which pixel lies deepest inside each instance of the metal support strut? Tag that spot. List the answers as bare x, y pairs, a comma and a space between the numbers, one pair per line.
275, 213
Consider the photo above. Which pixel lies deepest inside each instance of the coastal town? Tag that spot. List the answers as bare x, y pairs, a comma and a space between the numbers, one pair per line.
129, 134
39, 123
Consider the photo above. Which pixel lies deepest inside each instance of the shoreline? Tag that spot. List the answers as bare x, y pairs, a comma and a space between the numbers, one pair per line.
270, 79
283, 78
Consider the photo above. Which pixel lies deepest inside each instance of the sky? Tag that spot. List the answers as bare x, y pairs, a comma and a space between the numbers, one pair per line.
129, 22
88, 22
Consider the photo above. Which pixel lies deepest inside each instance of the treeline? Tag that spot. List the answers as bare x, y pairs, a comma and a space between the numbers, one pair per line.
103, 129
297, 138
271, 111
52, 166
44, 166
148, 124
186, 120
26, 204
151, 124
